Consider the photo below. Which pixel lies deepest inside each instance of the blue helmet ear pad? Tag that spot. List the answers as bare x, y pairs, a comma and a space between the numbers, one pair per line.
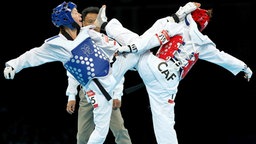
61, 15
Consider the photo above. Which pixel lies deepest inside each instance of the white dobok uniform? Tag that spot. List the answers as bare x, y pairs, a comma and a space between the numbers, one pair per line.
58, 48
162, 77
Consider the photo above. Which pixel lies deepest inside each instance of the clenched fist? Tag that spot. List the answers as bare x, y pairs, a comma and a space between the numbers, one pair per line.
9, 72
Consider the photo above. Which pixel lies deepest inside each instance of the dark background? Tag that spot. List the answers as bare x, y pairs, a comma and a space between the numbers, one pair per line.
212, 105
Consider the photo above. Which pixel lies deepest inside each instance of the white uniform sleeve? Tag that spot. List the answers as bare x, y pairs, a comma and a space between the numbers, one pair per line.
38, 56
118, 91
211, 54
71, 90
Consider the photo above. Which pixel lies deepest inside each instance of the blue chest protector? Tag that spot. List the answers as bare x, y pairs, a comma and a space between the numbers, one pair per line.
88, 62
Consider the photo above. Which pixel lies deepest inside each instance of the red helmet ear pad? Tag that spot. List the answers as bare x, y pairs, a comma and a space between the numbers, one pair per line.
201, 17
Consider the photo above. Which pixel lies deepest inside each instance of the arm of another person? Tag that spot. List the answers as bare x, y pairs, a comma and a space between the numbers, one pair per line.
71, 92
117, 94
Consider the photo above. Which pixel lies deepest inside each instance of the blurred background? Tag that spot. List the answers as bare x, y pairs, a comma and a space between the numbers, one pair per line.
212, 105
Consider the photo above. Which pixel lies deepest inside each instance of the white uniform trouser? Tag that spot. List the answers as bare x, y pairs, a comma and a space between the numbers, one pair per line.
102, 113
122, 64
161, 94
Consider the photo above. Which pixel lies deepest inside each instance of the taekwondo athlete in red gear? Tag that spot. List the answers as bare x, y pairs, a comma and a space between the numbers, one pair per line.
127, 36
115, 30
162, 75
80, 56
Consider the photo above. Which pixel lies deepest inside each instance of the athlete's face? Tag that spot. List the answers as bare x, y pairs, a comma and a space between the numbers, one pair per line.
76, 16
89, 19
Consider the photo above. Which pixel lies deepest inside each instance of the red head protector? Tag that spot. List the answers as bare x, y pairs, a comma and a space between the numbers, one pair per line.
201, 17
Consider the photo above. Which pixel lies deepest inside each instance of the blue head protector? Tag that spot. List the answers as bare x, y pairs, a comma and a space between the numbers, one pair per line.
61, 15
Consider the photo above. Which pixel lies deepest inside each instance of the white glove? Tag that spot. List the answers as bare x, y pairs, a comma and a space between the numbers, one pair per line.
248, 73
188, 8
9, 72
101, 18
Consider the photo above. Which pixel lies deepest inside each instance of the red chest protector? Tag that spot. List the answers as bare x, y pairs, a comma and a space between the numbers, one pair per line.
167, 51
191, 62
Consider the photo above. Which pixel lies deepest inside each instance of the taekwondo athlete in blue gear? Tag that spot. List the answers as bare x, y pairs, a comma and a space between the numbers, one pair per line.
85, 123
72, 39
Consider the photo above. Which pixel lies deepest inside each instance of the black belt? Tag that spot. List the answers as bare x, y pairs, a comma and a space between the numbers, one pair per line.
102, 89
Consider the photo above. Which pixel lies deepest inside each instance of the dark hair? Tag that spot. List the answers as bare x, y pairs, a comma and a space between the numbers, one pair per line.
210, 12
90, 9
